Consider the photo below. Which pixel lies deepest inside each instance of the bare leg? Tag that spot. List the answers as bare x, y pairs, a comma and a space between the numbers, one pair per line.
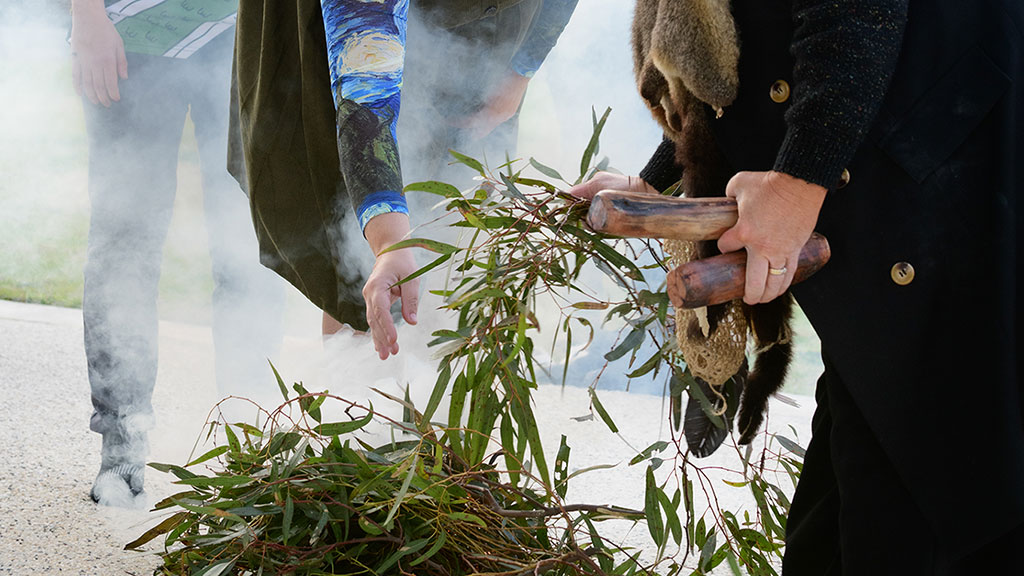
330, 326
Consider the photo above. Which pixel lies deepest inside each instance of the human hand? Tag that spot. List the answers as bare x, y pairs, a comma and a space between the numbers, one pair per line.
380, 290
610, 181
777, 214
97, 53
502, 103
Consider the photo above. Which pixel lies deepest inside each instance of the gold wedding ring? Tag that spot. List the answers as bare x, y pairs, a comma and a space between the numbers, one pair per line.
778, 271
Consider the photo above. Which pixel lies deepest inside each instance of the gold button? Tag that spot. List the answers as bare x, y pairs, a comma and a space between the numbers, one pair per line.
902, 273
844, 179
779, 91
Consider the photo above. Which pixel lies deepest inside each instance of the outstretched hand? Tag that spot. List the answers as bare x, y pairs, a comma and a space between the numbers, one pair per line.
777, 214
610, 181
97, 52
380, 290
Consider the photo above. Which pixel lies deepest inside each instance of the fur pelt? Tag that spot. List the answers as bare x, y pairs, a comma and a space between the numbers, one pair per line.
686, 55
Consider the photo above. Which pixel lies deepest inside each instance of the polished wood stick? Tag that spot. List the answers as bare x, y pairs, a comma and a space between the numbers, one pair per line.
722, 278
640, 215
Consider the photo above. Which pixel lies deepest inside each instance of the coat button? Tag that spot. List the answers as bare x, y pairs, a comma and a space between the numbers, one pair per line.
844, 179
902, 273
779, 91
491, 11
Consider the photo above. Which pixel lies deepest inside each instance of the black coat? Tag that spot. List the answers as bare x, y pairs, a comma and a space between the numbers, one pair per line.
932, 363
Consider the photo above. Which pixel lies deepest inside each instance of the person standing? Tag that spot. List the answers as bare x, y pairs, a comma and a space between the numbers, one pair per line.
319, 91
140, 68
895, 129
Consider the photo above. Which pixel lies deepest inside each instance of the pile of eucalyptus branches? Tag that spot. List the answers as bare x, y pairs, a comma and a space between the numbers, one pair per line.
472, 493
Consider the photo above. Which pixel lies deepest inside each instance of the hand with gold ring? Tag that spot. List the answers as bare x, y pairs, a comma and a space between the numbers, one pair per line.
777, 214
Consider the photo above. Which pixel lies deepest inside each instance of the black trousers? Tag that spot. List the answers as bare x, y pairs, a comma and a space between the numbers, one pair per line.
133, 160
852, 515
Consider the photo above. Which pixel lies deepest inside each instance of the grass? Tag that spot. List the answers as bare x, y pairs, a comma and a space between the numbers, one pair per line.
44, 201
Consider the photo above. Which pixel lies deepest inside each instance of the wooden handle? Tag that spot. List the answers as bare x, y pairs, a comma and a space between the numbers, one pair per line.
640, 215
722, 278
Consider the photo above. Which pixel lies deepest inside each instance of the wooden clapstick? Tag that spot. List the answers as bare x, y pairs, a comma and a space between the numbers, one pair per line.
722, 278
641, 215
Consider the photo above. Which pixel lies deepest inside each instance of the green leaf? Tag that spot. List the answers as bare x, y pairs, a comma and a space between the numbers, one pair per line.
216, 481
339, 428
601, 411
286, 522
233, 442
249, 429
631, 342
590, 305
652, 510
403, 490
280, 382
562, 468
546, 170
176, 470
568, 350
615, 258
590, 469
209, 455
264, 510
438, 188
479, 295
647, 452
437, 395
466, 517
536, 183
521, 339
511, 191
314, 407
163, 527
592, 146
791, 446
425, 243
438, 544
218, 569
708, 549
647, 366
410, 548
733, 565
671, 517
471, 162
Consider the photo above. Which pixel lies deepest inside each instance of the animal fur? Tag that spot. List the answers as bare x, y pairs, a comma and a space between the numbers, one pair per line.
686, 55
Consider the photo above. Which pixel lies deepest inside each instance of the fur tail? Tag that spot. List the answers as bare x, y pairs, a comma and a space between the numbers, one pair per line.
770, 323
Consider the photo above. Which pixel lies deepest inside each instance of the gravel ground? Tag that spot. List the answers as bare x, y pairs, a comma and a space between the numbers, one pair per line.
48, 524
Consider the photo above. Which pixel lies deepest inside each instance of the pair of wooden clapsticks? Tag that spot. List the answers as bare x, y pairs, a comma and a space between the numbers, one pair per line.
702, 282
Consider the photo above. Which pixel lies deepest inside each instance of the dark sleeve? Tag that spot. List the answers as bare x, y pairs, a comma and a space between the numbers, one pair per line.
544, 31
661, 170
845, 53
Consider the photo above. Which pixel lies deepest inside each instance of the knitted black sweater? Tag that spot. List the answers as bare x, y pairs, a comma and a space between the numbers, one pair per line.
845, 53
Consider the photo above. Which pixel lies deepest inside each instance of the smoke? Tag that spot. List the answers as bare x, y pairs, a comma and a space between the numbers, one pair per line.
44, 170
589, 70
64, 162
